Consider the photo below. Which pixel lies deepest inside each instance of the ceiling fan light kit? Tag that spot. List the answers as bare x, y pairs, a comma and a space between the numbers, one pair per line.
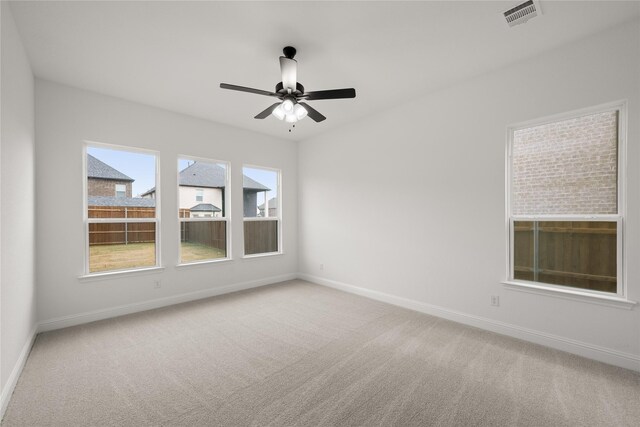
291, 93
289, 111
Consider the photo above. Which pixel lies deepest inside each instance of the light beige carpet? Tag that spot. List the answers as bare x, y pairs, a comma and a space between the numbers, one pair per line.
306, 355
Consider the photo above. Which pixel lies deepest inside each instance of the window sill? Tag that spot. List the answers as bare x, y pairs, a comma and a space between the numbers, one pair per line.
121, 273
263, 255
575, 295
202, 263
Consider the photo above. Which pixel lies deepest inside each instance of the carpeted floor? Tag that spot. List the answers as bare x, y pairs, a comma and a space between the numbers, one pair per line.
306, 355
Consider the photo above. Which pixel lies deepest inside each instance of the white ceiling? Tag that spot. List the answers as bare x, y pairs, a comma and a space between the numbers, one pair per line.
173, 55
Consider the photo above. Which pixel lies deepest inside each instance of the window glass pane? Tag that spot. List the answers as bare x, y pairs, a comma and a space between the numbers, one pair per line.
120, 184
580, 254
201, 194
202, 240
118, 181
260, 237
523, 250
260, 192
121, 190
566, 167
201, 190
260, 199
118, 246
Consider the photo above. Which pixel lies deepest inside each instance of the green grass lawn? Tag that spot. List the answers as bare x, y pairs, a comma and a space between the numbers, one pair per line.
135, 255
190, 252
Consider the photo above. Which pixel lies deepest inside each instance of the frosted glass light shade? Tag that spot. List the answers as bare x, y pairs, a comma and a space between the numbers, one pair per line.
290, 118
278, 112
287, 106
300, 111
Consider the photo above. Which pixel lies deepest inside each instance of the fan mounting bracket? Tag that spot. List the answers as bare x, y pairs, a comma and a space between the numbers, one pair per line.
289, 52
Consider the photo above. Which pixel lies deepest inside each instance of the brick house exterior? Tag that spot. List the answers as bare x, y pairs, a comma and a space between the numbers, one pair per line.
106, 187
102, 179
566, 167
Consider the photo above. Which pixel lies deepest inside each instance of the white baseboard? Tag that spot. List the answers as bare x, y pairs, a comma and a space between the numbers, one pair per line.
92, 316
7, 391
591, 351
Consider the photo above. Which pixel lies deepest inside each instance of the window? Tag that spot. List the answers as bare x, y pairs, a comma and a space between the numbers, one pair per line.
564, 201
203, 223
121, 230
121, 190
262, 205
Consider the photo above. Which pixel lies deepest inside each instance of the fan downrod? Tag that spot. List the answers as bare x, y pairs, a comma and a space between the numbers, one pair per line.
289, 52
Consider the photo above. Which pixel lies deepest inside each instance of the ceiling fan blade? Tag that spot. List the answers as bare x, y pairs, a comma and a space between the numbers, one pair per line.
289, 69
247, 89
264, 114
313, 113
330, 94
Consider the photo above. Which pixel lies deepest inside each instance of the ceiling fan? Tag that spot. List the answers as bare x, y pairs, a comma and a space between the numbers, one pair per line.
291, 93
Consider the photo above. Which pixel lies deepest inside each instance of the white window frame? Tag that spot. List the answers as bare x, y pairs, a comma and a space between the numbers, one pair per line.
278, 217
200, 193
87, 220
125, 189
227, 210
545, 288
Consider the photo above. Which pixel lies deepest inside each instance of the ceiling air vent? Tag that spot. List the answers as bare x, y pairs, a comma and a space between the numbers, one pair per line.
522, 13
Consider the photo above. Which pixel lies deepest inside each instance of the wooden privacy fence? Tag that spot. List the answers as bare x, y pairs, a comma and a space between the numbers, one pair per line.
260, 236
207, 233
121, 212
579, 254
121, 233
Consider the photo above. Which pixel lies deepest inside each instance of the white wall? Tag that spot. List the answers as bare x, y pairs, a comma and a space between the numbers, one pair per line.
65, 117
438, 236
17, 223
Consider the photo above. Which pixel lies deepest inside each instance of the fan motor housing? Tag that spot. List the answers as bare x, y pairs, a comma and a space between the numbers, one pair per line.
280, 89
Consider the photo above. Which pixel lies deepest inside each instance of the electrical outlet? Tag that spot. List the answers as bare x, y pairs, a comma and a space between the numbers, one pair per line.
495, 300
321, 267
157, 284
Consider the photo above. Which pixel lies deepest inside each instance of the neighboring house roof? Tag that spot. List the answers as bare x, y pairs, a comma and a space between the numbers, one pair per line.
100, 170
250, 184
203, 175
149, 191
212, 176
273, 203
135, 202
205, 207
209, 175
